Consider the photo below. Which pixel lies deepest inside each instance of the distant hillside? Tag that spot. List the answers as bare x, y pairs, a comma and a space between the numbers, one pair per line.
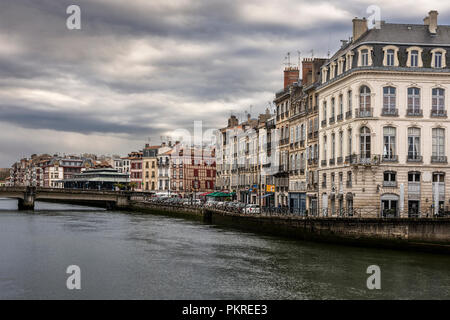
4, 173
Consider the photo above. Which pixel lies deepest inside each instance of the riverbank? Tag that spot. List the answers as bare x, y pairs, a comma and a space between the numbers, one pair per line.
427, 235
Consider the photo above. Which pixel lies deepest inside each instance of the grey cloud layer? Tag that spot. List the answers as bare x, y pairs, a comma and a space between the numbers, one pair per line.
140, 68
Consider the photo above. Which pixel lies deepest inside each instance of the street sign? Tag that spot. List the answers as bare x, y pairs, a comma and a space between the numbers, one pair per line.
270, 188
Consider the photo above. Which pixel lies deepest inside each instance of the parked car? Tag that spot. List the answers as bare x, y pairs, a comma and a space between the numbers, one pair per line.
251, 208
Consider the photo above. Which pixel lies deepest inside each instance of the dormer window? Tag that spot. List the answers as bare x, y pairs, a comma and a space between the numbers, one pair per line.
349, 60
364, 56
438, 58
390, 56
332, 69
414, 57
324, 74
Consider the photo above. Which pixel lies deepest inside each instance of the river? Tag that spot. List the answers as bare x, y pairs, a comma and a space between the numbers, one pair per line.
136, 256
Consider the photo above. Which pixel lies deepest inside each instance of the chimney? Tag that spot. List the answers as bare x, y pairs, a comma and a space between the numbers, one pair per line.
359, 28
431, 21
291, 75
233, 122
307, 66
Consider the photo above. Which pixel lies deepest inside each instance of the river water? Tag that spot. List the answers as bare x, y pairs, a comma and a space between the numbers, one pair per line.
133, 256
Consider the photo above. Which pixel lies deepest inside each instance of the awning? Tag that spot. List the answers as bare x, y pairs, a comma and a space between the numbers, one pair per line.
267, 195
349, 196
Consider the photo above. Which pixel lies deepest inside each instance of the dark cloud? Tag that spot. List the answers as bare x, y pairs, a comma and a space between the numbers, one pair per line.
140, 68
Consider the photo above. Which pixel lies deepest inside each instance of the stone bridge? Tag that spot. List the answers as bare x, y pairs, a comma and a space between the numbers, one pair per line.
109, 199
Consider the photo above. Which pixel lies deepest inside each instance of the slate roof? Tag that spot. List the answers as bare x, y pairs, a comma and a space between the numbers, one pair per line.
401, 34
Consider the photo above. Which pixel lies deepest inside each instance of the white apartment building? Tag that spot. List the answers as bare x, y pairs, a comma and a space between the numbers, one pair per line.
384, 139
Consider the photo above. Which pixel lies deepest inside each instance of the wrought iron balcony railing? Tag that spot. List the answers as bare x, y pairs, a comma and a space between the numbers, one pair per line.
438, 113
364, 113
414, 112
390, 158
438, 159
389, 112
414, 158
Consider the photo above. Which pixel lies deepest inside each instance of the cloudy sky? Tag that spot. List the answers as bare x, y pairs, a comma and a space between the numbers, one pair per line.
139, 69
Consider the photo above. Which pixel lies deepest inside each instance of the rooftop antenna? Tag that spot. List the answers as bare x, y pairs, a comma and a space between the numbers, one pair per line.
288, 60
312, 53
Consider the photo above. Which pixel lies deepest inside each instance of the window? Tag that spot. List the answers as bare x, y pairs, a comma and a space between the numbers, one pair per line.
349, 98
341, 142
333, 145
332, 108
389, 179
365, 143
438, 60
325, 110
325, 147
414, 102
438, 145
349, 142
414, 144
364, 101
390, 57
438, 102
413, 176
389, 95
364, 58
341, 105
414, 62
389, 143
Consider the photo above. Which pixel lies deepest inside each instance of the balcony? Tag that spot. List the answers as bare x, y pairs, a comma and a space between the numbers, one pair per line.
332, 120
438, 159
324, 123
324, 184
389, 112
348, 115
349, 184
302, 143
414, 113
332, 162
414, 158
340, 117
310, 135
390, 184
340, 160
364, 113
323, 163
390, 158
439, 113
365, 160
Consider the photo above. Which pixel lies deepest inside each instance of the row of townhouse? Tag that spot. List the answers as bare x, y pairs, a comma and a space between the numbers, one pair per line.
46, 171
363, 132
173, 169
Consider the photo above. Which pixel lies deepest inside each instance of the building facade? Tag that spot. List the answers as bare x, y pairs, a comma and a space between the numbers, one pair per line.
384, 135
